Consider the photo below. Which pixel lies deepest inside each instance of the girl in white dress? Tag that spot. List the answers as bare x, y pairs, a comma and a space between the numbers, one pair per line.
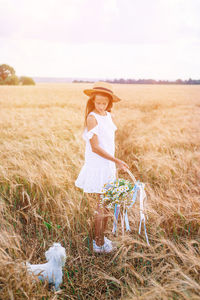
100, 161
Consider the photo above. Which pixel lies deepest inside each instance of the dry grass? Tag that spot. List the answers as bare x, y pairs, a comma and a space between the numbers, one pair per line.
41, 152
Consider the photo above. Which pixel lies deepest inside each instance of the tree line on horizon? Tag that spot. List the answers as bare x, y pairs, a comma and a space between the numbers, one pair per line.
9, 77
145, 81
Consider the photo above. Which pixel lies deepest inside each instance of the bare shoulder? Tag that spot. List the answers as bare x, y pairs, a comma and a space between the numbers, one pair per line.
91, 122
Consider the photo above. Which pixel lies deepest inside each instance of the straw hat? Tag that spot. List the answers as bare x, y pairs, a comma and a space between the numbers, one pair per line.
103, 87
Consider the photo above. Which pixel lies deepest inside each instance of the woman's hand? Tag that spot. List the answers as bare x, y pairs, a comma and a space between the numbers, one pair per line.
121, 165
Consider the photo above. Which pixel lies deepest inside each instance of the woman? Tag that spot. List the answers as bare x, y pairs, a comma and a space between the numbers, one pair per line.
100, 161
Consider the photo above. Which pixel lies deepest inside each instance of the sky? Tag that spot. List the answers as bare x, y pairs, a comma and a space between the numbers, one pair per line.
106, 39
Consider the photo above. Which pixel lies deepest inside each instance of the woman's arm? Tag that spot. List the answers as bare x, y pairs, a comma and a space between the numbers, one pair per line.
91, 123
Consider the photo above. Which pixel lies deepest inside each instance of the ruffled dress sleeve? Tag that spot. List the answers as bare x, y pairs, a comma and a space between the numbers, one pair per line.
87, 135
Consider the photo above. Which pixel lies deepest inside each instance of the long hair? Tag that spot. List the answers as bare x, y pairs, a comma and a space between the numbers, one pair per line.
90, 105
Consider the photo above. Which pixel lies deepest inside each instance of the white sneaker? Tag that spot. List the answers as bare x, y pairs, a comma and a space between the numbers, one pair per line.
110, 243
107, 241
106, 248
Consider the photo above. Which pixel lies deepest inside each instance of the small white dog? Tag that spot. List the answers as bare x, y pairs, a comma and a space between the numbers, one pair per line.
52, 270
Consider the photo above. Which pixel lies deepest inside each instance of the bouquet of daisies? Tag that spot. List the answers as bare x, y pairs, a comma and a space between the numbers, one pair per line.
118, 192
120, 195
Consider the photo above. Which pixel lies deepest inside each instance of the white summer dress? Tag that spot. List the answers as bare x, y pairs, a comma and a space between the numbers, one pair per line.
97, 170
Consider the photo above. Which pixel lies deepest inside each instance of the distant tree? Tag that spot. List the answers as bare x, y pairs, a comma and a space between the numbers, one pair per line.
196, 81
190, 80
82, 81
24, 80
11, 80
179, 81
152, 81
6, 71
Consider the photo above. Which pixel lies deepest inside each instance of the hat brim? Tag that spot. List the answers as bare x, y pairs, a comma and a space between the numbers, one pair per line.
90, 92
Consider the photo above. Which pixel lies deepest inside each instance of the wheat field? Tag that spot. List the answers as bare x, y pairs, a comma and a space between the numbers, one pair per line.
41, 153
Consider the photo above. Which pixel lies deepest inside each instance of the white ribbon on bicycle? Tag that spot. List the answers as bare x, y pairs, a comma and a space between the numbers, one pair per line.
139, 186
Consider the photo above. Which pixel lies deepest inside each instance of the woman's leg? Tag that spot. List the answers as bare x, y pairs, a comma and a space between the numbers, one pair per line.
106, 216
100, 222
99, 226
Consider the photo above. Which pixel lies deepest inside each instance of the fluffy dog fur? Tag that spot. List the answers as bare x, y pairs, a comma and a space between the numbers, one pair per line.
52, 270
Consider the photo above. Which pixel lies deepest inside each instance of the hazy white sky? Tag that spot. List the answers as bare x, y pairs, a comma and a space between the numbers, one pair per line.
157, 39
